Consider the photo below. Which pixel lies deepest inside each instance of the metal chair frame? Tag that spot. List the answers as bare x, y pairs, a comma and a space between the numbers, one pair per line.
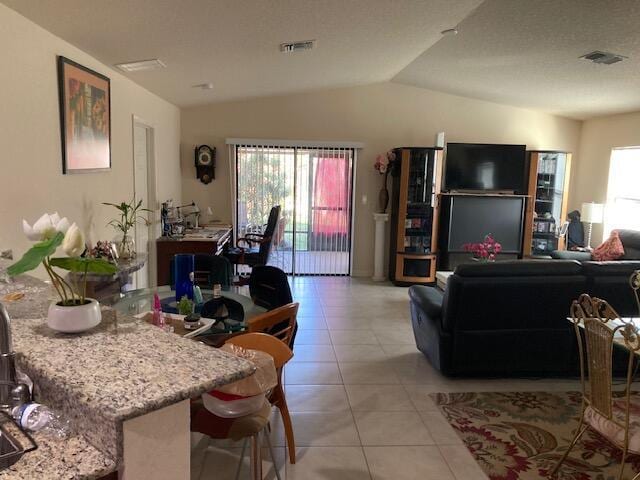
596, 378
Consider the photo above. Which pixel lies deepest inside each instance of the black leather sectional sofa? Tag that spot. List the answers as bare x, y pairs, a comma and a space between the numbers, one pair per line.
508, 319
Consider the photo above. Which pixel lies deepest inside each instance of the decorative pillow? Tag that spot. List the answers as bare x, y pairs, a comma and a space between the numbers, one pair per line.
611, 249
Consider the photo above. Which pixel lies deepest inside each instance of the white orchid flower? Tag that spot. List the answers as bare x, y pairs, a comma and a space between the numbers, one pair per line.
73, 243
45, 227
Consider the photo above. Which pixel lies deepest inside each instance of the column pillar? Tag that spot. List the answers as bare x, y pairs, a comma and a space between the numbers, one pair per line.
378, 261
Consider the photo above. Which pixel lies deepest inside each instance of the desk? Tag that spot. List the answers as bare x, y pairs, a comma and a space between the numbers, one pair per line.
166, 247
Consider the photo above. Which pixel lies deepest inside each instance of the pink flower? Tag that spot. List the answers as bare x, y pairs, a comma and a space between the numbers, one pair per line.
492, 256
381, 164
497, 247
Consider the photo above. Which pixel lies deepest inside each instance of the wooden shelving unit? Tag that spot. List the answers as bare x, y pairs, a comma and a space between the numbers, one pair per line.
414, 215
549, 173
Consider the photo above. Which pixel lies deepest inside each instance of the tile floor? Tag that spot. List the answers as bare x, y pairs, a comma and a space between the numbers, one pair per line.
358, 392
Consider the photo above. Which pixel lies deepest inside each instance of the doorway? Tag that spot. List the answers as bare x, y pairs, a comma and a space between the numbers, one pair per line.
144, 189
314, 187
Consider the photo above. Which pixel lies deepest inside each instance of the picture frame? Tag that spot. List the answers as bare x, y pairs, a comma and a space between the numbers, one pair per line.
85, 118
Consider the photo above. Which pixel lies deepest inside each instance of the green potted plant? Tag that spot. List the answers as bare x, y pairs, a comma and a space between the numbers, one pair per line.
191, 319
74, 312
185, 306
130, 215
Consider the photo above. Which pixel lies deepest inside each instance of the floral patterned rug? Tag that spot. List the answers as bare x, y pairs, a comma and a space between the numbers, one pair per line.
521, 436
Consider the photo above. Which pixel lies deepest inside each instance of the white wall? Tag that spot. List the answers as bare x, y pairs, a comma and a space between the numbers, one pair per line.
30, 158
382, 116
599, 136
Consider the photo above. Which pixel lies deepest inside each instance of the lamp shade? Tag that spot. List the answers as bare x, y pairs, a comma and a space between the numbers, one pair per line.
592, 212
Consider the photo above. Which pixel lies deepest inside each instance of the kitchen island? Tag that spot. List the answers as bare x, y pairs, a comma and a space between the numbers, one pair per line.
124, 386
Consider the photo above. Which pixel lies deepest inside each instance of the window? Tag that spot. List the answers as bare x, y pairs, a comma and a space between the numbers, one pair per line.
623, 192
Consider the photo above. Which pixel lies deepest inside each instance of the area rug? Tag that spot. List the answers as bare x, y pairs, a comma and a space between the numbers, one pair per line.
521, 436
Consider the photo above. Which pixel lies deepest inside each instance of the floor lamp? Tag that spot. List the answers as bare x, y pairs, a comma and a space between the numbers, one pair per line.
591, 213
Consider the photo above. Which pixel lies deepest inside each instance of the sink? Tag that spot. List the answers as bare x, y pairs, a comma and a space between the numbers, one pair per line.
14, 442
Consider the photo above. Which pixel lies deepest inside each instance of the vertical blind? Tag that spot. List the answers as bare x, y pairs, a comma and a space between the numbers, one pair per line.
313, 186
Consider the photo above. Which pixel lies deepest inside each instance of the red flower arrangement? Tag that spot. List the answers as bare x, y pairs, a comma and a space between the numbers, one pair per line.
485, 251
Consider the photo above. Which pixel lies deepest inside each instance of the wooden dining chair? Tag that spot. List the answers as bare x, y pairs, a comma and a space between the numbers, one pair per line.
281, 323
250, 426
634, 281
615, 417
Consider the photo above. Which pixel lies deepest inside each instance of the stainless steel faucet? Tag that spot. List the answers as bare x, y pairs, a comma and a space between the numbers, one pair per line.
12, 393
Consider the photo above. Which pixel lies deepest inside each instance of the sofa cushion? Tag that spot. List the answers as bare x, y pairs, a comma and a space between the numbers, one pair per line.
525, 302
610, 249
610, 281
631, 241
570, 255
614, 268
520, 268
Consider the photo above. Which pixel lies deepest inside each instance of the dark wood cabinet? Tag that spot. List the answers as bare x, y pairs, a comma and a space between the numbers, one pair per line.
416, 179
549, 173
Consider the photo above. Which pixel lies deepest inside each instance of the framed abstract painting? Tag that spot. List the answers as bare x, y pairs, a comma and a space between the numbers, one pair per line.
85, 118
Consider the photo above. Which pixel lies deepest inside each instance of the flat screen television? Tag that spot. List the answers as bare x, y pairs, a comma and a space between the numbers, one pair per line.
477, 167
473, 217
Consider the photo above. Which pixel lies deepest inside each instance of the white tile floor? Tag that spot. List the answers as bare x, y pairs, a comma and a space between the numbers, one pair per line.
358, 392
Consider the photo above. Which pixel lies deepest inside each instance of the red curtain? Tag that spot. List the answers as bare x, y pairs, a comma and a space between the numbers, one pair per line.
330, 196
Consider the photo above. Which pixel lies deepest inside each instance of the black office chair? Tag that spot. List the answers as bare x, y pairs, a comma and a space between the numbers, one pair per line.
269, 288
253, 249
211, 270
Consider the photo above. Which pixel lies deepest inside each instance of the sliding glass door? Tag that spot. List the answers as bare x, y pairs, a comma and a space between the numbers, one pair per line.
313, 186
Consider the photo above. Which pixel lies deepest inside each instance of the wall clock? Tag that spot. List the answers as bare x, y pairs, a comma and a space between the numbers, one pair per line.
205, 163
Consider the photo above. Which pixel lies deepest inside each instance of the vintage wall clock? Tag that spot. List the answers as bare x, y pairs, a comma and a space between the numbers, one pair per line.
205, 163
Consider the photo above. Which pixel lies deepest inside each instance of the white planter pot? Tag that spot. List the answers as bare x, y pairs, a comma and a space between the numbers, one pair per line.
74, 319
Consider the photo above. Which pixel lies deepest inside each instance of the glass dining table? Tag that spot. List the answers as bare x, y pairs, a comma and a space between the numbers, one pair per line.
139, 302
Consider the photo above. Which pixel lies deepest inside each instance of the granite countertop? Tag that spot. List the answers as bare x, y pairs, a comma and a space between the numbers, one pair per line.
126, 266
121, 369
56, 459
125, 366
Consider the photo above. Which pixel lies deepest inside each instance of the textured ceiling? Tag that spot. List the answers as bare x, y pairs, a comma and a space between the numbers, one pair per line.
234, 44
525, 53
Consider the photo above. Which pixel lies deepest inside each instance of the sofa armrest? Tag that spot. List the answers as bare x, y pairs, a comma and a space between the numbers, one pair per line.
571, 255
428, 299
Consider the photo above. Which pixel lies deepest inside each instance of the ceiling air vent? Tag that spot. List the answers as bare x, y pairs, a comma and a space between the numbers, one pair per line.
141, 65
295, 46
606, 58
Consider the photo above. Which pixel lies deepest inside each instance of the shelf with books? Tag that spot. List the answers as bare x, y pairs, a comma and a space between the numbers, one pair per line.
549, 175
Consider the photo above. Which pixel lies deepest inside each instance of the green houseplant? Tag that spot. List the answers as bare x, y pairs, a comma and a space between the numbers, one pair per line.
130, 215
74, 311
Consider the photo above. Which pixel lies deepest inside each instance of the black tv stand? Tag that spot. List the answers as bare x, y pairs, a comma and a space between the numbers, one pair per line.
468, 217
480, 192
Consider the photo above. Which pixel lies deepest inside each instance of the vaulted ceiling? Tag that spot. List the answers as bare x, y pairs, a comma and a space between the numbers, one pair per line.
234, 44
526, 53
518, 52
